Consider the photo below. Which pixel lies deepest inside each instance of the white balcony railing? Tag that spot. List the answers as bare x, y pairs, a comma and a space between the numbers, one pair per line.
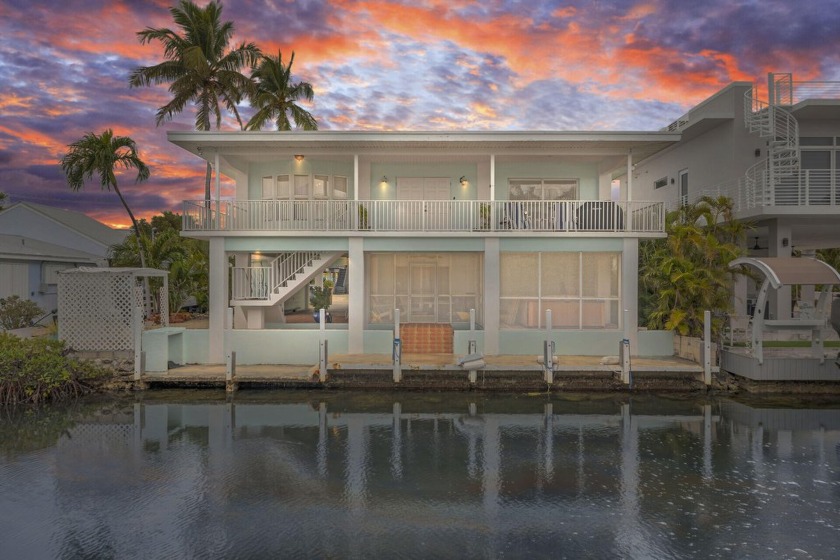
424, 216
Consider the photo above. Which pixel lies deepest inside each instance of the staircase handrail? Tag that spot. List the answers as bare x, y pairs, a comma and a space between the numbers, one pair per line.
285, 267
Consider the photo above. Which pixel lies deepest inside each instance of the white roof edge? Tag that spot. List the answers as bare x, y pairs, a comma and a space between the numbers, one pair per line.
421, 136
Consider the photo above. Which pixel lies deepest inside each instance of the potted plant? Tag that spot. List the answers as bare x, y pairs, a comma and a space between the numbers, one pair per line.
363, 218
484, 216
321, 298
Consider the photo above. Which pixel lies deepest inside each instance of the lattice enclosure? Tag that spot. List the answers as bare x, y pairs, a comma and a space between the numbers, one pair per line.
96, 307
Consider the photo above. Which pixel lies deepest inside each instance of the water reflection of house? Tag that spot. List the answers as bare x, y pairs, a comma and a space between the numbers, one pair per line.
607, 470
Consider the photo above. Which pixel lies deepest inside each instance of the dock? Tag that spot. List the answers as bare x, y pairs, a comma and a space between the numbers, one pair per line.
510, 373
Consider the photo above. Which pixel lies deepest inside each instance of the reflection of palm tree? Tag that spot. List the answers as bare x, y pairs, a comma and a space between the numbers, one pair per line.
198, 66
276, 96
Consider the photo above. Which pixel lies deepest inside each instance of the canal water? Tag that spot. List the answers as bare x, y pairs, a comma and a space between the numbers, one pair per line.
351, 475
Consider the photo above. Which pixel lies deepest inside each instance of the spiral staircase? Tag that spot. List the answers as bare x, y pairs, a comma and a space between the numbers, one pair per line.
765, 181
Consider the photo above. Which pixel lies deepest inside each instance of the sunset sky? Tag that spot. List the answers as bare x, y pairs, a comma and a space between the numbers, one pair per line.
410, 65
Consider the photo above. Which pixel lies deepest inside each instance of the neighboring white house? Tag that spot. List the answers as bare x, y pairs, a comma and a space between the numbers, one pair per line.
510, 224
36, 241
776, 154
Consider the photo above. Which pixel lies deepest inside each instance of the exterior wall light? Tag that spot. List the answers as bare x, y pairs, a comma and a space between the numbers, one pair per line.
464, 181
384, 179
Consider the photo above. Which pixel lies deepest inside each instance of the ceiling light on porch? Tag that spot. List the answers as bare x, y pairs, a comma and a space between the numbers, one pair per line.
299, 157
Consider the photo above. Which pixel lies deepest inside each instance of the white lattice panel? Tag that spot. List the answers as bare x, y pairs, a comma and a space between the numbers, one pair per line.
95, 311
164, 305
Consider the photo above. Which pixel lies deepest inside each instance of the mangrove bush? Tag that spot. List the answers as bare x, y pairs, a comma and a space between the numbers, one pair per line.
37, 370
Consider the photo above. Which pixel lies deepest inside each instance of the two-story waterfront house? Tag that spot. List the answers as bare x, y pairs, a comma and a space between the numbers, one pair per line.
774, 152
508, 224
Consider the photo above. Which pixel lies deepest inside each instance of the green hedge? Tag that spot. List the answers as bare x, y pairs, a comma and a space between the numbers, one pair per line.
36, 370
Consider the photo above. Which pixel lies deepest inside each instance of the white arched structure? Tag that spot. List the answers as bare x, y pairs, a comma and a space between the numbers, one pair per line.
779, 272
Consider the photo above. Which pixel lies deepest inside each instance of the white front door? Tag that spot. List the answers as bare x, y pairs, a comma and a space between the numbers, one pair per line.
429, 214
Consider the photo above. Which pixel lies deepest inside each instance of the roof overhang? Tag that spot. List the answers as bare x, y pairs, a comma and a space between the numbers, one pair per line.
246, 147
817, 109
789, 271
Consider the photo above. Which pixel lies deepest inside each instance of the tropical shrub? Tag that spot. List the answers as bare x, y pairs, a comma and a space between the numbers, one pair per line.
16, 313
36, 370
688, 272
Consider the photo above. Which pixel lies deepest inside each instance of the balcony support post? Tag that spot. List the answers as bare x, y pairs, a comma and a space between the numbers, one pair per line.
780, 243
218, 297
356, 302
630, 286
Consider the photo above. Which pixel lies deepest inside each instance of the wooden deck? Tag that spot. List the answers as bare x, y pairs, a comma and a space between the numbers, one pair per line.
782, 364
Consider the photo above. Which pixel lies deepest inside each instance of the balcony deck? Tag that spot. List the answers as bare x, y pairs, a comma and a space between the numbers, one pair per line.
442, 217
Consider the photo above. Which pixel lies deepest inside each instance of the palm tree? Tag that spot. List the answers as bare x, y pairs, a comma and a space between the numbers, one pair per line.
276, 96
101, 155
688, 272
199, 67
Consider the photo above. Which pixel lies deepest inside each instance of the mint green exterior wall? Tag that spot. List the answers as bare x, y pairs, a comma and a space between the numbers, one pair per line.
413, 244
309, 166
555, 244
295, 347
279, 244
300, 346
656, 343
392, 171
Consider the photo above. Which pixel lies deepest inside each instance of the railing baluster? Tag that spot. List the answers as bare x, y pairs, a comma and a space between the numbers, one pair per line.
467, 215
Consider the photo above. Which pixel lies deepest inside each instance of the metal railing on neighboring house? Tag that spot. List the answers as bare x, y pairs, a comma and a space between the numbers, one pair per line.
425, 216
806, 188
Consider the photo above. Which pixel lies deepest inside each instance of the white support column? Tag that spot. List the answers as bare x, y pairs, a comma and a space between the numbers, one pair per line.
630, 292
240, 319
356, 301
356, 177
492, 178
630, 175
218, 179
808, 294
218, 300
492, 292
779, 245
218, 192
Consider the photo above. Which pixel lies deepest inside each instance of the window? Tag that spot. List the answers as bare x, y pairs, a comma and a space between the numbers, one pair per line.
282, 188
323, 187
320, 187
543, 189
582, 290
301, 186
660, 183
683, 187
339, 188
267, 188
425, 287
